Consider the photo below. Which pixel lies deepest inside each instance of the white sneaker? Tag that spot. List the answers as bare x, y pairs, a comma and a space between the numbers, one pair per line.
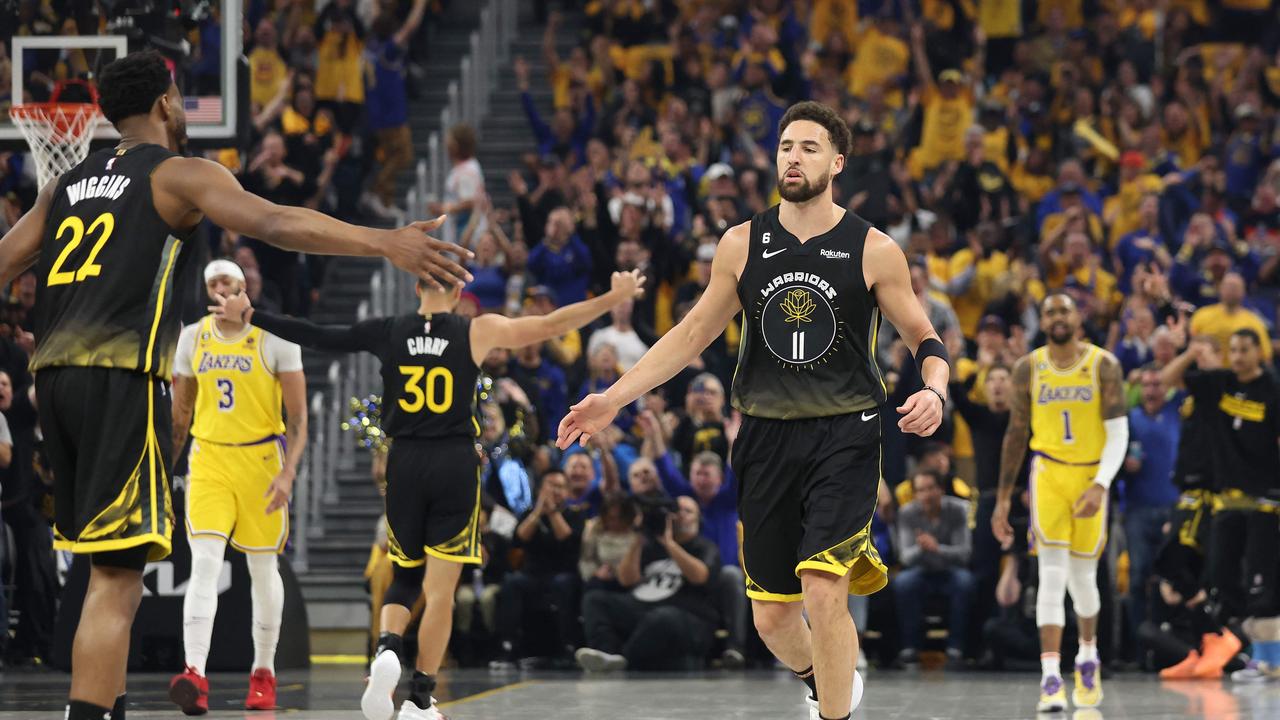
597, 661
856, 697
409, 711
377, 702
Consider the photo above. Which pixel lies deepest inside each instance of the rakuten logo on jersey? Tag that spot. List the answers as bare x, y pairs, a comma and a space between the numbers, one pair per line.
836, 255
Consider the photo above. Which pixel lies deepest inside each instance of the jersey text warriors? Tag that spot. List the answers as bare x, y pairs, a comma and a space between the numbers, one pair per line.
809, 329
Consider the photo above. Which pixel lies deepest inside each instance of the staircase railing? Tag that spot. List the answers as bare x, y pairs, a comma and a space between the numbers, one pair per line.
391, 289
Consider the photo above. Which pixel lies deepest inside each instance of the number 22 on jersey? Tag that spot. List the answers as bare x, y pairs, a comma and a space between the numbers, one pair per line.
431, 388
90, 268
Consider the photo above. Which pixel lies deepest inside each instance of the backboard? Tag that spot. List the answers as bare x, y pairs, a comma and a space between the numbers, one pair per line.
200, 39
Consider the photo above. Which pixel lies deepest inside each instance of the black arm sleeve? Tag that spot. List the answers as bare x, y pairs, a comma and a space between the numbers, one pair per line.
368, 335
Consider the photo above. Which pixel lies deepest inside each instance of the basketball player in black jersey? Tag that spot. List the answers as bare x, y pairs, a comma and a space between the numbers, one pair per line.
812, 280
430, 361
109, 242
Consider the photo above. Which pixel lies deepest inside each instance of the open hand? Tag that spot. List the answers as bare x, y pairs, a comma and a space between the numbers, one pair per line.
627, 285
231, 308
588, 417
1090, 501
279, 491
410, 248
922, 413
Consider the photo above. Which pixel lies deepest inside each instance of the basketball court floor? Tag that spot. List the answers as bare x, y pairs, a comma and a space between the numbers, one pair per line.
332, 693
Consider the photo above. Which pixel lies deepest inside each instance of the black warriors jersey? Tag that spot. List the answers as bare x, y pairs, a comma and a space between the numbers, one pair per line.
109, 264
428, 376
808, 332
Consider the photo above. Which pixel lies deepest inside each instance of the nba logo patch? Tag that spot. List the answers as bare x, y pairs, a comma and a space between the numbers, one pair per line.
248, 342
426, 328
111, 163
204, 335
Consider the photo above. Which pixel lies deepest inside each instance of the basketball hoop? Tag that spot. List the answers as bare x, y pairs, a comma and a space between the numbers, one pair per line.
58, 132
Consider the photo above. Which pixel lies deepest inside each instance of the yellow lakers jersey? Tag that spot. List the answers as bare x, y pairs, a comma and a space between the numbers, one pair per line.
1066, 408
238, 401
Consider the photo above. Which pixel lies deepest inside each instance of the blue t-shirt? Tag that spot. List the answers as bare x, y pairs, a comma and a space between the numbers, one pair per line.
489, 285
385, 98
566, 271
759, 113
1157, 436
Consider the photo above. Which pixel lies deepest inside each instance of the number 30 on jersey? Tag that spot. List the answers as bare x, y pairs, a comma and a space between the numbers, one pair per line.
432, 389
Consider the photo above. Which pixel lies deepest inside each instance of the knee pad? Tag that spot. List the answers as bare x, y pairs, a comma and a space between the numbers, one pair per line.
262, 565
206, 563
1082, 583
1053, 587
406, 585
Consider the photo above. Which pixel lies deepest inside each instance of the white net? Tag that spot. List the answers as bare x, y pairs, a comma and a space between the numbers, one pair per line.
58, 134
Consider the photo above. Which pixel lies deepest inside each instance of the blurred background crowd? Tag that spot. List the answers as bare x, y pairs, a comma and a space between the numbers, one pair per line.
1123, 151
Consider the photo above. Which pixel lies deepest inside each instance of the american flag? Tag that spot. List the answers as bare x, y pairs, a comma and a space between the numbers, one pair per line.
204, 109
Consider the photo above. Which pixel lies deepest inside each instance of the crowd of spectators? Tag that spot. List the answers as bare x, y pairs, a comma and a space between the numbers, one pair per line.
1125, 153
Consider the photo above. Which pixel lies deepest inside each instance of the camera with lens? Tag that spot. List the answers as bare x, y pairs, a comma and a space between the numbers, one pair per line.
654, 511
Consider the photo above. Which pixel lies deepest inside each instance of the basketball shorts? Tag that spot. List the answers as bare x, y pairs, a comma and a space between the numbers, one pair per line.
433, 501
227, 494
1055, 488
107, 442
806, 495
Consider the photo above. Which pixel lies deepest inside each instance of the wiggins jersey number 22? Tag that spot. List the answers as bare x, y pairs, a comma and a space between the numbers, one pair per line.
90, 267
433, 389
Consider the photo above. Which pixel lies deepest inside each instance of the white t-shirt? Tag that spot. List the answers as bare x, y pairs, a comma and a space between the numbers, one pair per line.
628, 344
280, 355
465, 181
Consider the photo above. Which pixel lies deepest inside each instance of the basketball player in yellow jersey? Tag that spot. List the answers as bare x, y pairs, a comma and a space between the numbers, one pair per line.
241, 471
1068, 400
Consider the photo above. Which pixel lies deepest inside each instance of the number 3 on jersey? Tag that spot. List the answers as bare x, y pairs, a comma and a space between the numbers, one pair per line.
436, 393
90, 267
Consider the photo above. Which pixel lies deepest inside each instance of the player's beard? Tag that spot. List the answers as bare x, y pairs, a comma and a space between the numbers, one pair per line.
805, 191
180, 136
1061, 334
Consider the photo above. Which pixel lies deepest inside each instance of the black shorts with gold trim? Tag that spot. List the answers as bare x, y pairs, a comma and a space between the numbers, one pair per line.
433, 501
107, 441
807, 492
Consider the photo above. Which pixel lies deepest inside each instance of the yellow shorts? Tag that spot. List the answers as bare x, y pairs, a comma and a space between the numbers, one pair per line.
226, 495
1055, 488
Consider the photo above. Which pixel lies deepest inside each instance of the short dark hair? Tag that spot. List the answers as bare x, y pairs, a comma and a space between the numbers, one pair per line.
829, 119
1249, 333
931, 474
131, 85
464, 138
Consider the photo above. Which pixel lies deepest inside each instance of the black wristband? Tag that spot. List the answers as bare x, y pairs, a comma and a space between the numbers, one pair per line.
935, 391
931, 347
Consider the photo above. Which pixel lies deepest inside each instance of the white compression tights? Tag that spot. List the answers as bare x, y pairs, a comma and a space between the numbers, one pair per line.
201, 603
1060, 572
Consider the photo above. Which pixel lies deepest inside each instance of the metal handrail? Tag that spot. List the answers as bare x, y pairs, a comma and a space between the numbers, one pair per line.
469, 100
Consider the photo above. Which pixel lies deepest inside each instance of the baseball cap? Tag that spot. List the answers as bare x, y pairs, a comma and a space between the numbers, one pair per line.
950, 75
223, 268
864, 127
538, 291
719, 170
706, 252
992, 322
1246, 110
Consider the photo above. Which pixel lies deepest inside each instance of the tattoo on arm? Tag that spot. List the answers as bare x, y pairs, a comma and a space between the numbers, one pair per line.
1019, 430
1111, 378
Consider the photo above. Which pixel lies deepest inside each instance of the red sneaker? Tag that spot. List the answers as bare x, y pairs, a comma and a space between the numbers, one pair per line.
190, 691
262, 691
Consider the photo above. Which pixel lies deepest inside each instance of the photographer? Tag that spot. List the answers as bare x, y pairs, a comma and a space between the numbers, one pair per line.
550, 535
668, 619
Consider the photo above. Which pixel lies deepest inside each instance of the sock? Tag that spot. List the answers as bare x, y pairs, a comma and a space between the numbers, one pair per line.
267, 594
1088, 651
390, 641
80, 710
809, 679
421, 687
1049, 665
201, 601
846, 717
117, 711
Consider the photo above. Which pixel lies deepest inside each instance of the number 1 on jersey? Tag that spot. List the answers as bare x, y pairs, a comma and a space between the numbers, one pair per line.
1066, 427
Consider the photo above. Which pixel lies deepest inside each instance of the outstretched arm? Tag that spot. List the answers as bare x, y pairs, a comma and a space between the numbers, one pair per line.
885, 268
187, 188
366, 336
496, 331
20, 247
675, 350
